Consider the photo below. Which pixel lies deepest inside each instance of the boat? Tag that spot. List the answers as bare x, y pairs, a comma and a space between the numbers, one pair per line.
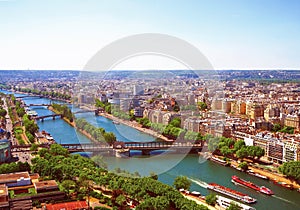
196, 193
225, 203
116, 122
218, 160
283, 184
258, 175
262, 189
231, 193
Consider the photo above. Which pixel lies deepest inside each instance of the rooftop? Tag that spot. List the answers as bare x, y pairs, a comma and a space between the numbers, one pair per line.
49, 184
3, 190
67, 206
13, 177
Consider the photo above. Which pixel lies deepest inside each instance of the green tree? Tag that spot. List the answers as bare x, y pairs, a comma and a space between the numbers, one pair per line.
34, 147
225, 151
276, 127
3, 112
242, 153
121, 201
233, 206
243, 166
238, 145
291, 169
211, 199
176, 122
182, 182
67, 186
202, 105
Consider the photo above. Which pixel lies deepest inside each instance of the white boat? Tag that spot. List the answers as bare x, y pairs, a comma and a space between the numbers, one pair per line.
225, 203
116, 122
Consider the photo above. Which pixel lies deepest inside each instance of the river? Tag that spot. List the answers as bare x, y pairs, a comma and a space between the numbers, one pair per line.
167, 166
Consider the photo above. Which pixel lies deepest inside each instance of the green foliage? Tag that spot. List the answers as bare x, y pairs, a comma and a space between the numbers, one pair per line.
211, 199
51, 94
67, 186
97, 134
202, 106
149, 193
238, 145
233, 206
287, 129
14, 167
64, 110
244, 166
20, 110
242, 153
192, 136
176, 122
212, 142
30, 137
34, 147
106, 106
182, 182
225, 151
3, 112
30, 125
145, 122
276, 127
291, 169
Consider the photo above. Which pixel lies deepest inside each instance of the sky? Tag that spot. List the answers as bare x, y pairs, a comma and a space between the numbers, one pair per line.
232, 34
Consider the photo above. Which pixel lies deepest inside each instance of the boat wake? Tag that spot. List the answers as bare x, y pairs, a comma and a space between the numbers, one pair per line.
199, 182
283, 199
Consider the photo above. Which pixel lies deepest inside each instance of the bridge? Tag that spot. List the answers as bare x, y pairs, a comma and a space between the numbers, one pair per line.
44, 104
30, 96
38, 105
46, 116
145, 147
83, 111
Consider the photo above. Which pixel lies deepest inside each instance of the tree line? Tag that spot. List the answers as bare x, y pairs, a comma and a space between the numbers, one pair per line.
77, 174
172, 130
98, 134
291, 170
64, 110
228, 147
51, 94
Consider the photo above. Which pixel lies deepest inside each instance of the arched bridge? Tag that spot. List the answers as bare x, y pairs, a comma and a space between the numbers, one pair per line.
145, 147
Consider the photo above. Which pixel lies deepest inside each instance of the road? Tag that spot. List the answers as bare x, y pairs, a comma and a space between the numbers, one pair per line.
9, 126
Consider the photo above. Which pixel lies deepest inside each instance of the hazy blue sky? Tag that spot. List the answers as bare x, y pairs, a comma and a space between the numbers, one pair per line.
232, 34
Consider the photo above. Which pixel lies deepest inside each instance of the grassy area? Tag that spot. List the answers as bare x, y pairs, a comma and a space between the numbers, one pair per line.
31, 191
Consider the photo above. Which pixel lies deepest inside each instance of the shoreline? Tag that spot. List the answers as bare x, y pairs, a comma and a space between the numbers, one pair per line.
136, 126
271, 176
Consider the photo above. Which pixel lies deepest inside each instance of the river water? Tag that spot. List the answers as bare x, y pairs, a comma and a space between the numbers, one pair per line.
167, 166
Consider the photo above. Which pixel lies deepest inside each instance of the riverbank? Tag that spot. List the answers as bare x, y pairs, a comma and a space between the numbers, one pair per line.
136, 126
271, 176
201, 201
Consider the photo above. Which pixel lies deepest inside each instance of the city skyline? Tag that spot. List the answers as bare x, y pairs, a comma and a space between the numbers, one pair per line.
232, 35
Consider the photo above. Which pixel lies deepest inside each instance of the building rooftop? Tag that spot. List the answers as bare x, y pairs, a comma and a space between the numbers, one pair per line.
3, 190
68, 205
45, 185
13, 177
